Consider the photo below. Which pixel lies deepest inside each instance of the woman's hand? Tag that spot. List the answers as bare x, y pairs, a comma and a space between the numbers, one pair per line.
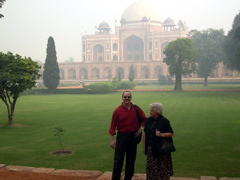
159, 134
164, 135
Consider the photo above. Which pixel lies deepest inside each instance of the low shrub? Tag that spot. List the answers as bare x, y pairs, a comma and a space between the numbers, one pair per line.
101, 88
162, 80
126, 85
57, 91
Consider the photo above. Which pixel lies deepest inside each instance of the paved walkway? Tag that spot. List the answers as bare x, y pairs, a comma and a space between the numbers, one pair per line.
97, 175
156, 90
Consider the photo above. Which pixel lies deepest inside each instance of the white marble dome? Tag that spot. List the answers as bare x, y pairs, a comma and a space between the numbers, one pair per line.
142, 10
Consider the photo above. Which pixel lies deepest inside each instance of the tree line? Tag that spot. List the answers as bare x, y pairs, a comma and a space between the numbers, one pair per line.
202, 51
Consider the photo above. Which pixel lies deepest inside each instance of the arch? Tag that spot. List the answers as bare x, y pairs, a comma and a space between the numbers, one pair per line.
145, 73
150, 45
83, 73
115, 57
98, 53
107, 73
120, 72
61, 74
163, 47
115, 46
95, 73
150, 56
71, 74
157, 71
133, 48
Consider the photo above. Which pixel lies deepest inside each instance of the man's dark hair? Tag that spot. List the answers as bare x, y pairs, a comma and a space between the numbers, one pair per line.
128, 92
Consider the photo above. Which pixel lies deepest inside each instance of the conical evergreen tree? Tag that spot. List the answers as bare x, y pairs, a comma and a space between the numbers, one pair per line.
131, 76
51, 75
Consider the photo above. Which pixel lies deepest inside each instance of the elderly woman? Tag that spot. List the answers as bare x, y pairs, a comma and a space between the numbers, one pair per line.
158, 166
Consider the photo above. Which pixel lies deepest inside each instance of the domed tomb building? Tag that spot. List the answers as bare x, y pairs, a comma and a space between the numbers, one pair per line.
139, 41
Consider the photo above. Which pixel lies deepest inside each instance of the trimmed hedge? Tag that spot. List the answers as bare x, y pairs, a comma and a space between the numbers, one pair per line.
126, 85
106, 87
58, 91
101, 88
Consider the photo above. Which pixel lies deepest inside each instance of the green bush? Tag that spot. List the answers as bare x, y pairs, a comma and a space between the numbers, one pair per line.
101, 88
169, 80
165, 80
126, 85
57, 91
162, 80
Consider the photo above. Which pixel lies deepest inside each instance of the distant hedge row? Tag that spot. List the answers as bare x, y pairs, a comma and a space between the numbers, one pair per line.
96, 88
57, 91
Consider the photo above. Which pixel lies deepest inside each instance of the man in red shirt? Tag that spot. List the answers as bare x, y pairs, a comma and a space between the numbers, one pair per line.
126, 121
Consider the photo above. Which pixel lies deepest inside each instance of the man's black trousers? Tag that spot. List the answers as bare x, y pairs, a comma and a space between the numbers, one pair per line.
125, 144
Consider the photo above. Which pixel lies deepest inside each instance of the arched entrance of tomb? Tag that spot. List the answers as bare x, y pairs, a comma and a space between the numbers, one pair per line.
115, 58
98, 53
107, 73
133, 48
157, 71
71, 74
95, 73
145, 73
83, 74
115, 47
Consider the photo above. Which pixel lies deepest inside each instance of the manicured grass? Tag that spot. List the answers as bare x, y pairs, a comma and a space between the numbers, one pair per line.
206, 126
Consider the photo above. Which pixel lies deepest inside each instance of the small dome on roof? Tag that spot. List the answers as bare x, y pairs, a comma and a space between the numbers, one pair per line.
104, 25
180, 23
169, 22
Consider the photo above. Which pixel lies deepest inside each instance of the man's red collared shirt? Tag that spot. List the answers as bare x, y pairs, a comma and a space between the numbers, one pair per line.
125, 120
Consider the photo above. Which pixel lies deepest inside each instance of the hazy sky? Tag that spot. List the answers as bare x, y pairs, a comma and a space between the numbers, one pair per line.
27, 24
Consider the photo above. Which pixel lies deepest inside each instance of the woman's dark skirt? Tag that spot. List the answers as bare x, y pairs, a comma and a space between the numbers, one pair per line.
159, 168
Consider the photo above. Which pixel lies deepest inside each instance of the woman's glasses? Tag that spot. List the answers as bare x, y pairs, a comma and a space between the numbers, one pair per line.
125, 97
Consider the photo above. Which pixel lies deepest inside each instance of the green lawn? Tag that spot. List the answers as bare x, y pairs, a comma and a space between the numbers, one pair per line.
206, 126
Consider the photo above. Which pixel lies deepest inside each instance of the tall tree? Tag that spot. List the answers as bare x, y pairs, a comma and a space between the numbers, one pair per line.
232, 46
180, 55
51, 75
1, 3
209, 46
17, 75
131, 76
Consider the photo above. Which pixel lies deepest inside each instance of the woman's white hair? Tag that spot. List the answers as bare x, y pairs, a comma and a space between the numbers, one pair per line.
157, 107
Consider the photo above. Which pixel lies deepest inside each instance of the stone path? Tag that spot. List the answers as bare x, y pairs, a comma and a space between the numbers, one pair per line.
157, 90
91, 175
